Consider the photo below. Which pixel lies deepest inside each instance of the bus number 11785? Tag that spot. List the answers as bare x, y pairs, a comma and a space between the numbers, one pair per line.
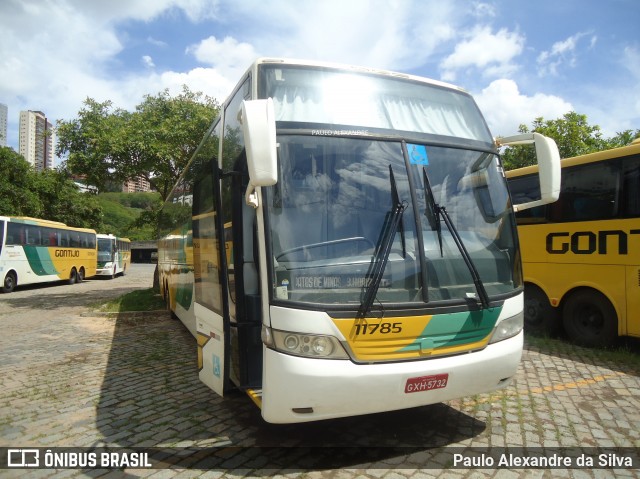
382, 328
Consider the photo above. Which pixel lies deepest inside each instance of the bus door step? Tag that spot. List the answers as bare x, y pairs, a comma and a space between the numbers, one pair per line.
256, 396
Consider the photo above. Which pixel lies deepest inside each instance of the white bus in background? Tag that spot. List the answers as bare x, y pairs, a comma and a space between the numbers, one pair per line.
114, 255
34, 250
343, 242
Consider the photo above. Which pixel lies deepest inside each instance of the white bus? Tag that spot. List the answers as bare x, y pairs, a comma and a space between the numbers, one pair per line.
39, 251
343, 242
114, 255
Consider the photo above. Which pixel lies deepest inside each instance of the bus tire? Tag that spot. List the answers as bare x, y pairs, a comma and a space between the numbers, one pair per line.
165, 296
73, 277
80, 276
590, 319
10, 282
539, 316
167, 301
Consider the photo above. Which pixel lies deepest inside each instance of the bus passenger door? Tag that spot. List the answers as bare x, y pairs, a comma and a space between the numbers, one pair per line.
242, 273
210, 305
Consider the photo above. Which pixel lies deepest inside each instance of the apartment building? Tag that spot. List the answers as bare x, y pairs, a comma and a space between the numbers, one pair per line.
4, 113
36, 139
136, 185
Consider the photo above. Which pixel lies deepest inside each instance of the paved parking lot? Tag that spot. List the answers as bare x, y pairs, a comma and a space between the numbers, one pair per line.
69, 378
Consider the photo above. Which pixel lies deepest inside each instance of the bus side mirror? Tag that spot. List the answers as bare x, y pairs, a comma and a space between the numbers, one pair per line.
259, 129
548, 167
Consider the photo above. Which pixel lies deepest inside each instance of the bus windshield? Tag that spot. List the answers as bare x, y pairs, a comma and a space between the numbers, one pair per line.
105, 249
327, 213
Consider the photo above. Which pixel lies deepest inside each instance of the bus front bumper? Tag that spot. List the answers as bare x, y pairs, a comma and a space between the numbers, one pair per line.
299, 389
107, 270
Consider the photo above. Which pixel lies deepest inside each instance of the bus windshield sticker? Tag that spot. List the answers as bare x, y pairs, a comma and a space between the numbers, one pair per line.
417, 154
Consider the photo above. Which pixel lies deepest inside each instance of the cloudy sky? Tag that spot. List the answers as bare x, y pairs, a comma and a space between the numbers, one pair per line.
520, 59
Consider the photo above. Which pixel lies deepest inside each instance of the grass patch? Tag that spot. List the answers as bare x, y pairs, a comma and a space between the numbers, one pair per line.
139, 300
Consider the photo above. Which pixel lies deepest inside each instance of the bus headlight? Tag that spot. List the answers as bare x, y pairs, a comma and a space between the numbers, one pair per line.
508, 328
305, 345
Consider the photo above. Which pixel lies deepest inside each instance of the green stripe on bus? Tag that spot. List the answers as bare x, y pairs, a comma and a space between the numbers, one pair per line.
39, 260
457, 329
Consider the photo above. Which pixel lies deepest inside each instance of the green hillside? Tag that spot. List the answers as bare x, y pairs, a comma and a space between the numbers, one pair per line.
120, 210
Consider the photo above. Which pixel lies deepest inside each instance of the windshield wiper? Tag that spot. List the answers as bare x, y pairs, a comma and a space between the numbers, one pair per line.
392, 221
432, 209
433, 212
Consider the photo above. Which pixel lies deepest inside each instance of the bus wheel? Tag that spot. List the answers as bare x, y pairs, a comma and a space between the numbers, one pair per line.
10, 282
165, 296
113, 273
167, 302
589, 319
539, 316
73, 277
80, 277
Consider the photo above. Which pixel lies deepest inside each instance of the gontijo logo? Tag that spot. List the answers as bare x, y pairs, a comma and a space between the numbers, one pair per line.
589, 242
66, 253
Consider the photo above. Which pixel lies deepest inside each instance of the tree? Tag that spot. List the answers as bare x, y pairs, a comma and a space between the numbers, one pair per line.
48, 194
573, 135
17, 195
88, 142
623, 138
155, 141
163, 135
62, 201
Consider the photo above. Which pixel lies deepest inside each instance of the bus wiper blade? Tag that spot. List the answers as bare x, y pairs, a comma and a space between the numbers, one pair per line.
392, 221
432, 209
436, 212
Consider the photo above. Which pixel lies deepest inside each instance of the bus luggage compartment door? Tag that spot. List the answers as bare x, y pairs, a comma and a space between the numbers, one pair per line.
211, 349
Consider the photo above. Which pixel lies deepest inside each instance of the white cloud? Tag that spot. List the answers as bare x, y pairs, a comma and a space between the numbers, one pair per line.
148, 61
505, 108
206, 80
620, 108
483, 10
491, 53
631, 61
56, 53
114, 10
228, 56
562, 53
398, 35
156, 42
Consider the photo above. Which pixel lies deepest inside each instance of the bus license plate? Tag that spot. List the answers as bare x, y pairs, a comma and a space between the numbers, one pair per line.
426, 383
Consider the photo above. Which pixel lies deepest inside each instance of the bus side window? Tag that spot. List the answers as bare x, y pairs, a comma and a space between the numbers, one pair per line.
525, 189
631, 187
33, 237
15, 234
590, 191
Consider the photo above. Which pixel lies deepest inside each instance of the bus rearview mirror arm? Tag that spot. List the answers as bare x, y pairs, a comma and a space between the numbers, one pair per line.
548, 170
259, 128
